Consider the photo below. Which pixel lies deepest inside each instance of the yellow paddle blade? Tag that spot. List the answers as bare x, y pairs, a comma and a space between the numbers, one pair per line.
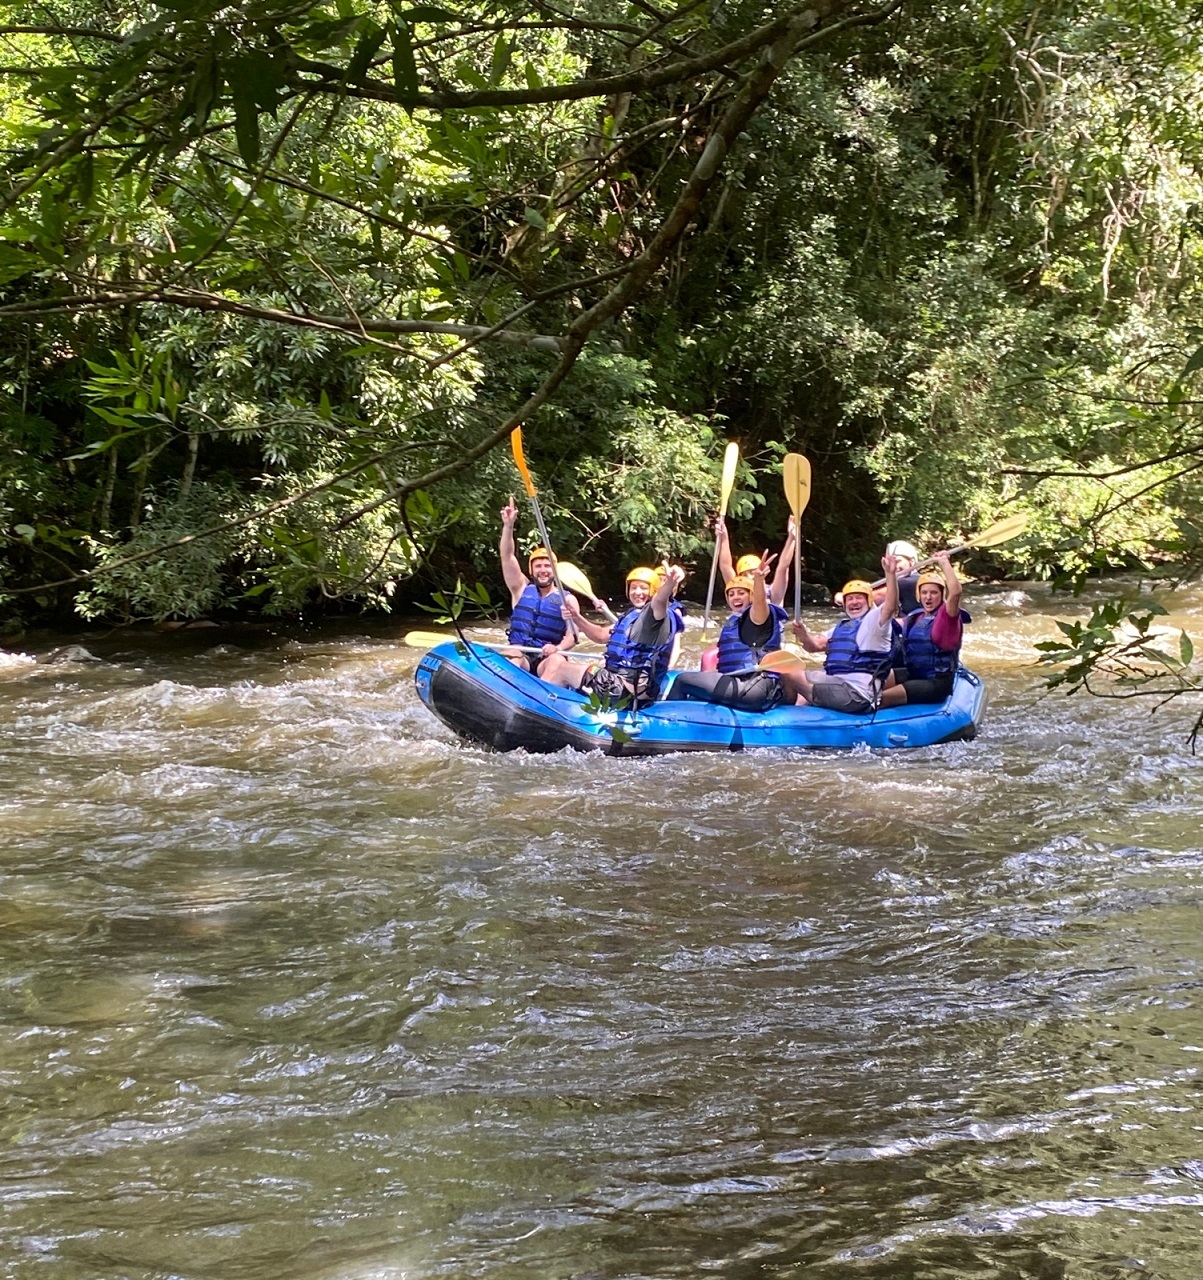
998, 533
795, 471
520, 461
426, 639
574, 579
730, 462
781, 660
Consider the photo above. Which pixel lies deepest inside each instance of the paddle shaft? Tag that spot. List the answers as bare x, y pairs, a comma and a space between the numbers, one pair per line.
429, 639
795, 471
529, 485
730, 462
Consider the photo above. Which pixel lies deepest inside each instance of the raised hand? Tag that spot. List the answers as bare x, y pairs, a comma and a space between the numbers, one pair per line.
509, 513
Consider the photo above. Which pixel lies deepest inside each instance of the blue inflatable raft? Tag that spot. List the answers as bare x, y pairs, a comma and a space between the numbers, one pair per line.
487, 700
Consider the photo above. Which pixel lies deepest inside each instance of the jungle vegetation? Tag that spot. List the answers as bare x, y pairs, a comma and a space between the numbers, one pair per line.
278, 279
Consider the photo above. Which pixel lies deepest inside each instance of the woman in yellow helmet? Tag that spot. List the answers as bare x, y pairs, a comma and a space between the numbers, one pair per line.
752, 630
745, 564
640, 646
931, 638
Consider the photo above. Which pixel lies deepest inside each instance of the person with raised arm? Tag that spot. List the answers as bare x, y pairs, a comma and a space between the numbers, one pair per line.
536, 619
752, 630
931, 639
745, 564
640, 646
858, 649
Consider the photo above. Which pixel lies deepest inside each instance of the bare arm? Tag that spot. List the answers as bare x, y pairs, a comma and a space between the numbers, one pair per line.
591, 630
952, 585
725, 566
511, 570
810, 642
780, 584
889, 606
759, 612
672, 575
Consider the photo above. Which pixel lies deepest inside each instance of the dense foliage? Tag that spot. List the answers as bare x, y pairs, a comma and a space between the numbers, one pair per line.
277, 280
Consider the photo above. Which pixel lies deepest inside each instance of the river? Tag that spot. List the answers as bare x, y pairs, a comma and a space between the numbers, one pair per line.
292, 985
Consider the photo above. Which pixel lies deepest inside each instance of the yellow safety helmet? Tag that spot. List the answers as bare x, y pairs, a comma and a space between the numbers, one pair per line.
742, 581
648, 576
745, 564
934, 579
858, 587
539, 553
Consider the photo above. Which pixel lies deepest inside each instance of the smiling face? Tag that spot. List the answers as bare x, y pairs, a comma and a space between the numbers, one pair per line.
930, 597
541, 572
638, 593
856, 604
738, 599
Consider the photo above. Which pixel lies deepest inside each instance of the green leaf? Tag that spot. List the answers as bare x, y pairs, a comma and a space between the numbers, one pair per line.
15, 263
1186, 650
246, 125
428, 13
405, 68
501, 60
1194, 363
26, 531
367, 48
535, 218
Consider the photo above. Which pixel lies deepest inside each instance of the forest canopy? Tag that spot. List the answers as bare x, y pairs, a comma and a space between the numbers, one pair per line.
276, 281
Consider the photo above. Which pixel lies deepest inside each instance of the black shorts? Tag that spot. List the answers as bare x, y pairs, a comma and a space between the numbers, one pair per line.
936, 689
615, 685
756, 691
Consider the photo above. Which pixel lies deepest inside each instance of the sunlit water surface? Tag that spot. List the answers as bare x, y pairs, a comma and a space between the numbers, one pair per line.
293, 985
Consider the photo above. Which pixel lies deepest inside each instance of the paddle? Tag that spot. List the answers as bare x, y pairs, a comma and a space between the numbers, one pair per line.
524, 472
576, 581
730, 462
995, 535
780, 660
429, 639
795, 471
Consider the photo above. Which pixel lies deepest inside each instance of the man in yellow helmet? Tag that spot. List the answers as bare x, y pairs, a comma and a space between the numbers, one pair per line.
640, 646
858, 649
536, 620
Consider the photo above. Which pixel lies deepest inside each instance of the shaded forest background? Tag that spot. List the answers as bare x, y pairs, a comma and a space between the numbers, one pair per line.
277, 280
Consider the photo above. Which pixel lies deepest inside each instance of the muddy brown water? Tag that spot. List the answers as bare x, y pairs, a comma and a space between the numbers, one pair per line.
293, 985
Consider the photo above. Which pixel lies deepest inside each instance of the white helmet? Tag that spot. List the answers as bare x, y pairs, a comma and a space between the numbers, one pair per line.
904, 549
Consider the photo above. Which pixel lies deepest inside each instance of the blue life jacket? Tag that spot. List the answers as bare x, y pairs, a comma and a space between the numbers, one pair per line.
631, 660
898, 649
924, 661
733, 654
844, 658
536, 619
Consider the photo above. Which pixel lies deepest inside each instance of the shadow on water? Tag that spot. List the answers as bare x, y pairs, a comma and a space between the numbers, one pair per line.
293, 985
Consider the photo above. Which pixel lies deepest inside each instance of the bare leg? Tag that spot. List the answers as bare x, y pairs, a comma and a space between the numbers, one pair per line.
894, 696
797, 687
517, 657
558, 670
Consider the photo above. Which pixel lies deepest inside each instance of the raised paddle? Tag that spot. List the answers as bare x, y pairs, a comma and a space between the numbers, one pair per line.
532, 494
730, 462
576, 581
994, 536
429, 639
795, 471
